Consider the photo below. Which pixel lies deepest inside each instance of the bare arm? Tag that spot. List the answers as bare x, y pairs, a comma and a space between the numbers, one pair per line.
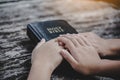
110, 68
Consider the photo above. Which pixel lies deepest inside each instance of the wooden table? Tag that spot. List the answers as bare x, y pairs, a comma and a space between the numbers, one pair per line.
15, 47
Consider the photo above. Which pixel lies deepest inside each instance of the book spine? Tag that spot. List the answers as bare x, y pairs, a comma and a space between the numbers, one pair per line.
33, 36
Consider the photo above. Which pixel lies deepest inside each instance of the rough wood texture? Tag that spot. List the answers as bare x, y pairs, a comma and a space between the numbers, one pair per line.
84, 15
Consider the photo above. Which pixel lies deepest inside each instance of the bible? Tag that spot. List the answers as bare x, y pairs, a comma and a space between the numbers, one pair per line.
48, 30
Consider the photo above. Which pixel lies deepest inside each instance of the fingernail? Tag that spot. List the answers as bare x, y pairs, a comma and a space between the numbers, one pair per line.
68, 33
61, 35
42, 39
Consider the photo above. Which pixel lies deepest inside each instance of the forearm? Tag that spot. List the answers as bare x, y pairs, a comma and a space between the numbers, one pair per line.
109, 67
114, 45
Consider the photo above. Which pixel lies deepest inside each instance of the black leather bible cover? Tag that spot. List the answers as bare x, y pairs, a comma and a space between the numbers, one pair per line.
48, 29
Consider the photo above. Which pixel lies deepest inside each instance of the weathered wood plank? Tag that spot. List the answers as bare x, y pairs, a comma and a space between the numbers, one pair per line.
15, 46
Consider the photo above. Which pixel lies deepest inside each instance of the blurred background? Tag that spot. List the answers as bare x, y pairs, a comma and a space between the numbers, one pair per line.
99, 16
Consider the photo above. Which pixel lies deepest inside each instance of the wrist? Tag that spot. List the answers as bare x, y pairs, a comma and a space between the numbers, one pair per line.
44, 64
108, 66
105, 48
40, 71
114, 47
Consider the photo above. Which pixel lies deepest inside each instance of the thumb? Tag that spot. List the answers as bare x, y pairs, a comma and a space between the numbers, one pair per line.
67, 56
40, 43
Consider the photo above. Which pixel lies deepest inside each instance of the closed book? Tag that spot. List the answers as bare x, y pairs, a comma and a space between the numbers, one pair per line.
48, 29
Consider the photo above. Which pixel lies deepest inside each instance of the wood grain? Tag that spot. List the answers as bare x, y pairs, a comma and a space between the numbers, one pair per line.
84, 15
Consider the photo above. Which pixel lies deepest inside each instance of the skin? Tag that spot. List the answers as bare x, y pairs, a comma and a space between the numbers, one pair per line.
105, 47
84, 58
45, 58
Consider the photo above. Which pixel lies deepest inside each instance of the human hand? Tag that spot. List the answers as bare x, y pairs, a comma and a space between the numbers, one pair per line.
81, 54
47, 54
102, 46
45, 58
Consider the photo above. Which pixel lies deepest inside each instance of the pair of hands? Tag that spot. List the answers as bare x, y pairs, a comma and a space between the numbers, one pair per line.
82, 51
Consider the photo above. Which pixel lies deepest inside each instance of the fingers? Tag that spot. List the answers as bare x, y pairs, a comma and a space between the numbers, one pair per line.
67, 56
77, 40
68, 43
90, 35
81, 42
72, 38
84, 41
